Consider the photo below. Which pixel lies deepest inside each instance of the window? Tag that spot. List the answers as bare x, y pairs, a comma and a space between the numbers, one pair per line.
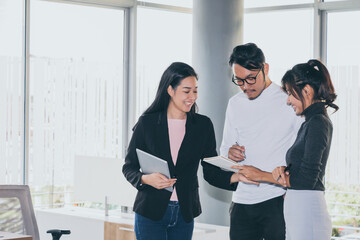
343, 170
11, 92
163, 37
284, 43
76, 85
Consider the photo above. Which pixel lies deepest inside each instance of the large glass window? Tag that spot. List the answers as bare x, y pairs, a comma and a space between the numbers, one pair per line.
284, 43
76, 86
343, 171
163, 37
11, 92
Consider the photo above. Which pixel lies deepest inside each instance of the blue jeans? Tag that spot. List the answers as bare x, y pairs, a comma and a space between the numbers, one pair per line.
171, 227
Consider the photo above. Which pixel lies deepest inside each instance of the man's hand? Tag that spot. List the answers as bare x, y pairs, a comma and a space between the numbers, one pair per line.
237, 177
236, 153
157, 180
250, 172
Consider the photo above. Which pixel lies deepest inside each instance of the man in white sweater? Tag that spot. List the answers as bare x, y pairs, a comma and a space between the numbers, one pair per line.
259, 129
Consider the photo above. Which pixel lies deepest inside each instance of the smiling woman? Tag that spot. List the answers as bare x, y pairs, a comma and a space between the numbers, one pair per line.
171, 130
311, 92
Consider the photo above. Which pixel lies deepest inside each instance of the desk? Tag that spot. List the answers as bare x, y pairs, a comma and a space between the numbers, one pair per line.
6, 236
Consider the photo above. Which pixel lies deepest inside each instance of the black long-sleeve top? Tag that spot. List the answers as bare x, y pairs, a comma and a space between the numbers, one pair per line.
309, 153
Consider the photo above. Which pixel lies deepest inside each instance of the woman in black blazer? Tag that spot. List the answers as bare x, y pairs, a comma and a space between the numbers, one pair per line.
169, 129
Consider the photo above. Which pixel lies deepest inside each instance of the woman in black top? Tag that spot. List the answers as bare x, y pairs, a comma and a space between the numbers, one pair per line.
310, 92
171, 130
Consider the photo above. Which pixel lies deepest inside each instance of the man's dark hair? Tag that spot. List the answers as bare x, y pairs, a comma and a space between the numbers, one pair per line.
248, 56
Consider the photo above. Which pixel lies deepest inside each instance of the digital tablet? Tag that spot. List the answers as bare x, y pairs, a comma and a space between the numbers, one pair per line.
152, 164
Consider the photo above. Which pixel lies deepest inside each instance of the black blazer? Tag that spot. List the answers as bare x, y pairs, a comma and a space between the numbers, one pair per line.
151, 135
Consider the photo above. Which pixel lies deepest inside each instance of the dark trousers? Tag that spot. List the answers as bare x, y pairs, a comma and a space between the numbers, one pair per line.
171, 227
259, 221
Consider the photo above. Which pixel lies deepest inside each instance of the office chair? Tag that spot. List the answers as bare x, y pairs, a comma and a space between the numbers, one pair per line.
17, 212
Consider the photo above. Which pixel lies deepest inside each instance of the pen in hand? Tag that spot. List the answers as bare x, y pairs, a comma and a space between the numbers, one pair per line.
287, 168
243, 153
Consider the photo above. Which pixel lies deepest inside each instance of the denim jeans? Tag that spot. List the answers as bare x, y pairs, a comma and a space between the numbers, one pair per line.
171, 227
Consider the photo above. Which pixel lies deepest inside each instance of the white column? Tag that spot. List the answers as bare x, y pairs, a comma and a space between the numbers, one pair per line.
217, 29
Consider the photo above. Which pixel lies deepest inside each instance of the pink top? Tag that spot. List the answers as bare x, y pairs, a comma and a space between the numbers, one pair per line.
176, 136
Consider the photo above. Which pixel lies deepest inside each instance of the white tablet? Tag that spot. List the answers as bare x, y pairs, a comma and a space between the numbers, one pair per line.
152, 164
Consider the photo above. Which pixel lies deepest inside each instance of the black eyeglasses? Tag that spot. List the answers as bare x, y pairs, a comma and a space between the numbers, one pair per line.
250, 80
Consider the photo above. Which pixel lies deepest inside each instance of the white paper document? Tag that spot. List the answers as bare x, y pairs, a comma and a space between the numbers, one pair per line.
222, 162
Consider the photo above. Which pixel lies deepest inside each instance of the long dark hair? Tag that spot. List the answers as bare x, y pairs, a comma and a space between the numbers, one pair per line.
314, 74
172, 76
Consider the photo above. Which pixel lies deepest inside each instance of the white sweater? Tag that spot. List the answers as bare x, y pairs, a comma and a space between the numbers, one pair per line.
267, 127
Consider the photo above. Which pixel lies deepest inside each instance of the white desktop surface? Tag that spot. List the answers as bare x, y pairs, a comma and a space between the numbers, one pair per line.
86, 223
